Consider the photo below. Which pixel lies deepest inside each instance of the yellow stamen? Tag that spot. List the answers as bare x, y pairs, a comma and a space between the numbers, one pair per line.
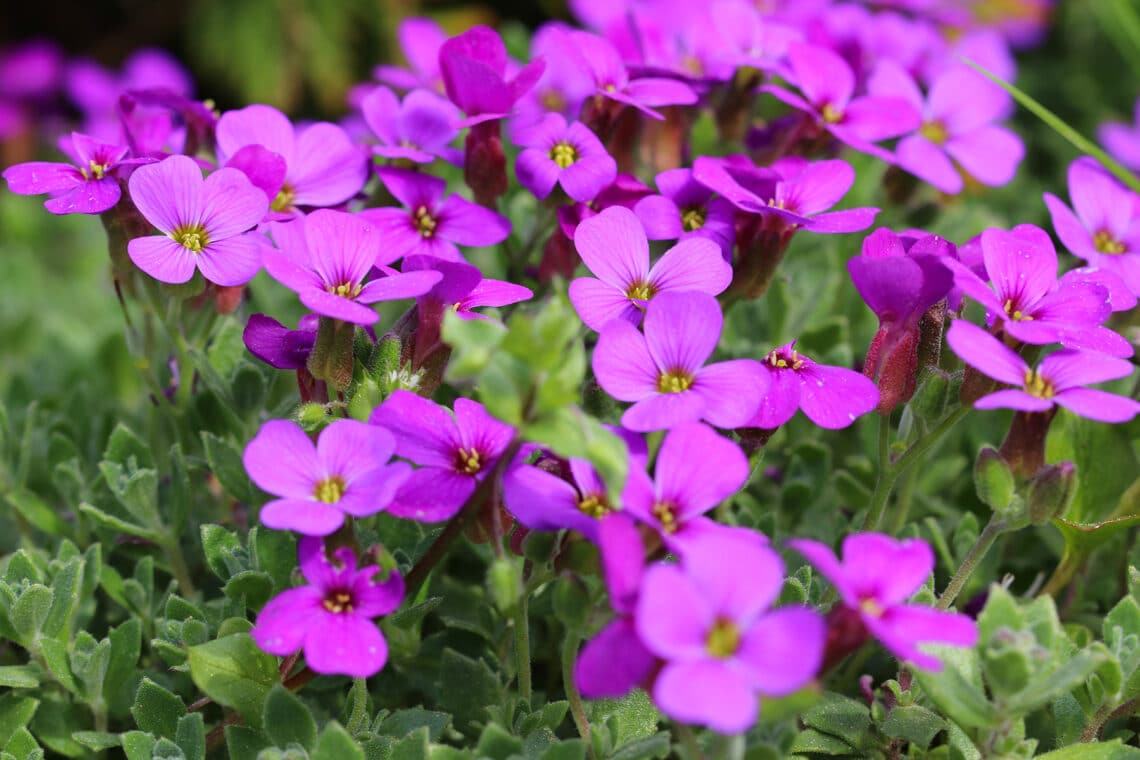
831, 114
595, 505
666, 514
784, 361
563, 154
935, 131
641, 291
330, 489
468, 461
425, 224
1038, 386
339, 602
284, 199
723, 639
674, 381
1016, 314
192, 237
693, 218
1105, 242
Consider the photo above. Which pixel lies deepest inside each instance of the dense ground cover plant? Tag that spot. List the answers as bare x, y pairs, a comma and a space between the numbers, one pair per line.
529, 478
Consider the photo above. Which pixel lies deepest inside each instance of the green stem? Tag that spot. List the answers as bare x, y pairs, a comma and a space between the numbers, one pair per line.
577, 708
178, 567
522, 647
358, 717
994, 528
885, 479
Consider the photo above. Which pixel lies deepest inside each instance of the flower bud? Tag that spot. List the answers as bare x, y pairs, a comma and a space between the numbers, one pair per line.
504, 584
993, 480
485, 164
1051, 492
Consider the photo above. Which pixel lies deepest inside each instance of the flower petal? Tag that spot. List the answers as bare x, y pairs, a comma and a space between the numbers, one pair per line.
345, 644
613, 246
783, 650
697, 469
162, 258
622, 363
305, 516
432, 495
706, 692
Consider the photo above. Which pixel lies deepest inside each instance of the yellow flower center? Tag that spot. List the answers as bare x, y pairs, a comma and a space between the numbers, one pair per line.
468, 461
596, 506
94, 170
284, 199
783, 361
871, 607
192, 237
641, 291
425, 224
1038, 386
346, 290
693, 218
564, 154
935, 131
1014, 313
552, 100
666, 514
330, 489
340, 602
723, 639
1105, 242
831, 114
674, 381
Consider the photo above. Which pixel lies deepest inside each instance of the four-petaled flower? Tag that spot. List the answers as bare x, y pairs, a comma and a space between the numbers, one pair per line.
89, 186
568, 155
831, 397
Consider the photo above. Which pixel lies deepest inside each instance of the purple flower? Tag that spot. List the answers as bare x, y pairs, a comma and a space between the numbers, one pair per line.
957, 126
875, 578
613, 247
420, 129
563, 86
88, 187
1027, 298
454, 453
420, 41
708, 619
828, 84
1121, 140
1058, 379
429, 223
462, 288
571, 156
696, 469
326, 257
831, 397
474, 70
277, 345
202, 222
1105, 231
331, 618
323, 166
742, 37
685, 208
346, 473
663, 371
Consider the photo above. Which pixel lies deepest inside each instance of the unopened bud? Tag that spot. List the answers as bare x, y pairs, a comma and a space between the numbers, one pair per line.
993, 480
311, 416
504, 584
1051, 492
385, 357
929, 401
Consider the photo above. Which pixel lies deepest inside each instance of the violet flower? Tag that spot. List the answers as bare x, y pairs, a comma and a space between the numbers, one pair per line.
331, 618
346, 473
563, 86
474, 70
957, 126
326, 257
613, 247
663, 371
1122, 141
875, 578
277, 345
454, 453
323, 166
831, 397
741, 37
90, 186
420, 129
684, 209
420, 40
202, 222
828, 84
708, 619
462, 288
1058, 380
567, 155
430, 224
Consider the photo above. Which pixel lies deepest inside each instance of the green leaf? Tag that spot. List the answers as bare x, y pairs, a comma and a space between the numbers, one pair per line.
118, 524
224, 458
1053, 683
497, 743
813, 742
15, 713
19, 676
334, 743
243, 743
37, 512
124, 445
191, 736
157, 710
55, 656
635, 716
219, 544
97, 741
957, 689
650, 748
570, 432
135, 490
840, 716
414, 746
571, 749
914, 724
235, 673
138, 745
473, 342
276, 554
403, 722
1112, 750
30, 610
287, 720
65, 597
253, 585
467, 686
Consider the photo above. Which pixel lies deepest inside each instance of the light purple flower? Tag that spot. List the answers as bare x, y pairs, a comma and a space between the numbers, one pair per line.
454, 453
1122, 141
462, 288
430, 224
613, 247
331, 618
828, 85
327, 256
474, 70
420, 41
831, 397
1105, 230
419, 129
695, 470
740, 36
685, 208
1058, 379
708, 619
346, 473
958, 116
571, 156
875, 578
88, 187
563, 86
323, 166
663, 371
202, 222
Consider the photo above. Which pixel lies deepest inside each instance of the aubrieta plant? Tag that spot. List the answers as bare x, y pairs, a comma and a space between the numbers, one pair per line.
529, 478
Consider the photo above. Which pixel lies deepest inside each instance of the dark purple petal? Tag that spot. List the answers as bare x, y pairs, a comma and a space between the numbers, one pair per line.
275, 344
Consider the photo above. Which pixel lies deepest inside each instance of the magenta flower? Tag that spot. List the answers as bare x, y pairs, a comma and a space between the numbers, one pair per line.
454, 453
1105, 230
875, 578
331, 618
430, 224
346, 473
323, 166
277, 345
563, 86
663, 371
685, 209
462, 288
696, 469
828, 84
740, 36
90, 186
474, 70
419, 129
1122, 141
202, 222
708, 619
571, 156
958, 116
420, 40
613, 247
831, 397
327, 256
1058, 379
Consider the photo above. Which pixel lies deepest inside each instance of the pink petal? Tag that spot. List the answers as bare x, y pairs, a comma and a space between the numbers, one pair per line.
613, 246
706, 692
692, 264
597, 303
305, 516
1072, 232
783, 650
927, 161
232, 261
327, 167
622, 363
254, 125
682, 329
284, 621
824, 560
989, 154
780, 403
662, 411
162, 258
1098, 405
467, 223
673, 615
832, 397
1013, 399
425, 433
432, 495
281, 460
697, 469
351, 449
823, 76
613, 662
230, 204
732, 391
905, 628
345, 644
983, 351
167, 193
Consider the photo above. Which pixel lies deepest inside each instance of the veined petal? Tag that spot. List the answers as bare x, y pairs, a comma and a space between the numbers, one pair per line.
697, 469
622, 363
231, 261
162, 258
692, 264
230, 204
598, 302
682, 329
168, 193
613, 246
983, 351
1098, 405
425, 433
732, 391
